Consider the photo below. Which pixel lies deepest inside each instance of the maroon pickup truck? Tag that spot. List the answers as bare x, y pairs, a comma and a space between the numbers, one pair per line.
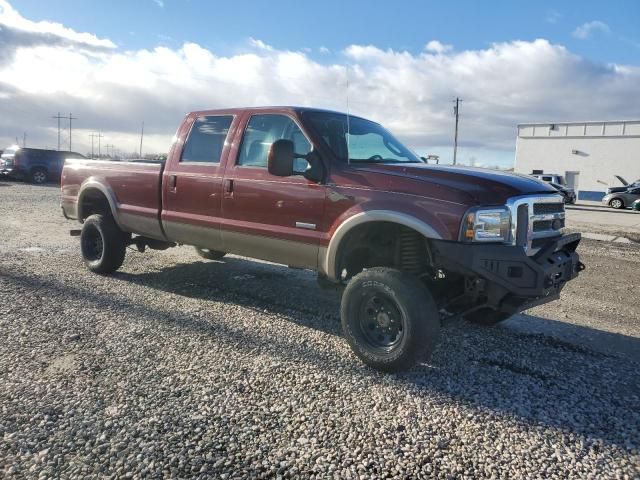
413, 243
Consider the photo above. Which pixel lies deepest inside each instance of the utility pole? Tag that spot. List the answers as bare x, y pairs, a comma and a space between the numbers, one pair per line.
71, 117
24, 139
141, 137
109, 146
58, 117
100, 136
93, 136
456, 112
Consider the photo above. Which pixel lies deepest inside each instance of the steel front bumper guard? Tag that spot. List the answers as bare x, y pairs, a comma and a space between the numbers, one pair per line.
506, 278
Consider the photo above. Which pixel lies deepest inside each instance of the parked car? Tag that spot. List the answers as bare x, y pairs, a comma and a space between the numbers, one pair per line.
636, 205
568, 193
550, 178
34, 164
340, 195
622, 199
626, 185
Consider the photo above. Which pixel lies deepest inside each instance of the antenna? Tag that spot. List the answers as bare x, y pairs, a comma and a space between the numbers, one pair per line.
348, 121
456, 112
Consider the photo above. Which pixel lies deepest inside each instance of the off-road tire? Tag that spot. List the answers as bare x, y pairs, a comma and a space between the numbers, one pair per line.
102, 229
209, 254
38, 176
616, 203
408, 300
487, 317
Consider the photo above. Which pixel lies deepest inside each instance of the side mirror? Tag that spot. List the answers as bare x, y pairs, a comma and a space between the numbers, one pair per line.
280, 161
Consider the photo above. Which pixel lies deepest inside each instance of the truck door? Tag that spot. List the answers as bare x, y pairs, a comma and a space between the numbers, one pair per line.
279, 219
192, 182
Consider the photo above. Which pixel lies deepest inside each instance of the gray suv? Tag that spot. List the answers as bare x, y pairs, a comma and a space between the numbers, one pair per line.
622, 199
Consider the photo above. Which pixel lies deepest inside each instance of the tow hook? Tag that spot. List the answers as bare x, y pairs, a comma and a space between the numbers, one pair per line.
580, 267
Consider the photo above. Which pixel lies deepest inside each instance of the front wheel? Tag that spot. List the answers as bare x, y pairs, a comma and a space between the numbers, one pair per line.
389, 319
616, 203
209, 254
103, 244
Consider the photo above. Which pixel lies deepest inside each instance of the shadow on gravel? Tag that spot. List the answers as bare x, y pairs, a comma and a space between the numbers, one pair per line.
539, 380
260, 287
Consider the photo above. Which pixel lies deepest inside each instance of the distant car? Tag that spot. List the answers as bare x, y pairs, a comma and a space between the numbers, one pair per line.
36, 165
636, 206
568, 193
622, 199
550, 178
626, 185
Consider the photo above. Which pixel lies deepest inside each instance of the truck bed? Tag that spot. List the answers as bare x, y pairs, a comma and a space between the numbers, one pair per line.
135, 190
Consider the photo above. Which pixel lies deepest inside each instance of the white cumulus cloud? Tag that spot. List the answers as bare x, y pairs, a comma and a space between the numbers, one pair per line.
585, 30
436, 47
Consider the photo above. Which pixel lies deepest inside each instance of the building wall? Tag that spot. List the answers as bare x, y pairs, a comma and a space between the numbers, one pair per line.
597, 150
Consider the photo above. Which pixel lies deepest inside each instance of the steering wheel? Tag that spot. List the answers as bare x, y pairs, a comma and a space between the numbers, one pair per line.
376, 157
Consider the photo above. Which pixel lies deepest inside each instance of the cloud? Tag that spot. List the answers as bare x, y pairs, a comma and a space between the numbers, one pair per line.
585, 30
553, 16
113, 90
159, 3
436, 47
17, 32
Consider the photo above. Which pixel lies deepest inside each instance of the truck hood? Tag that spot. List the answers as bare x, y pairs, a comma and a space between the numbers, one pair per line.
483, 186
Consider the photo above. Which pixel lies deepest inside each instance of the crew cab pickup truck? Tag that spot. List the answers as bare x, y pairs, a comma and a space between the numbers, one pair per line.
411, 243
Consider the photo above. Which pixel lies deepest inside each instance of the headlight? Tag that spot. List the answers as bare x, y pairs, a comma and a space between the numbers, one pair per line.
488, 225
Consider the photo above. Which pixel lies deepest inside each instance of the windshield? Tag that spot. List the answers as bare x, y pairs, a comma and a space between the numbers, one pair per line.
366, 142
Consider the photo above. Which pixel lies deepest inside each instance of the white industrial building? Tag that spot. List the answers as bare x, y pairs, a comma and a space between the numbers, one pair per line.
587, 154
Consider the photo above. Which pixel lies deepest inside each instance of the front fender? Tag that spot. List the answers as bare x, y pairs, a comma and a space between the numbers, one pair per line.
329, 255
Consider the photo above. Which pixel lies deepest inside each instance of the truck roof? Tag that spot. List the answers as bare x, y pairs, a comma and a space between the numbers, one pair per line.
291, 108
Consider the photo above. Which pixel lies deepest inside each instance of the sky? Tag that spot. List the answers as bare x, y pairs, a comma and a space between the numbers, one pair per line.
117, 63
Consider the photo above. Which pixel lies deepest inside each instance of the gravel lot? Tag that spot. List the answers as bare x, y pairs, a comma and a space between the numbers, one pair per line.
233, 369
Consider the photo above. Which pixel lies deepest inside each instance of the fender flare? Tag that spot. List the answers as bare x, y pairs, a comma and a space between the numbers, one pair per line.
91, 184
329, 261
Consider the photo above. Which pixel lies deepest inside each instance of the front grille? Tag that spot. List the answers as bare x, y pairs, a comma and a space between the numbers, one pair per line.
543, 208
537, 220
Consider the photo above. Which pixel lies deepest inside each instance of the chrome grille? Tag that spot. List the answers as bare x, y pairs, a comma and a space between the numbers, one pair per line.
536, 219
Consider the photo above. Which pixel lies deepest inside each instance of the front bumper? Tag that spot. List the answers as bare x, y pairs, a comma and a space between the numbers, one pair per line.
509, 280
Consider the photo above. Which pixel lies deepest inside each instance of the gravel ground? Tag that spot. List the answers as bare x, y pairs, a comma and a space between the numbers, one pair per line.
237, 369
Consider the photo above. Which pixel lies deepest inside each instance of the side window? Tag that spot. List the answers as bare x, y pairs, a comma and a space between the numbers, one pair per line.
206, 139
262, 131
547, 179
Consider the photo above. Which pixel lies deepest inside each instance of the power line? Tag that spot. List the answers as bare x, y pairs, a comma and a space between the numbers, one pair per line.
456, 112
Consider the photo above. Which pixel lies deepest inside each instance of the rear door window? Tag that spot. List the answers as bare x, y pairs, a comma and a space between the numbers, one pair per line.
206, 139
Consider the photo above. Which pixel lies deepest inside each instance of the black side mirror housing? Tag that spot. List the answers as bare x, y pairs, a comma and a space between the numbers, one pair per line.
281, 156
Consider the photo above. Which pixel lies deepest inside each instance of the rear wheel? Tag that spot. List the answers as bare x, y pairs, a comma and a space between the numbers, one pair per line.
616, 203
210, 254
389, 319
487, 317
38, 176
103, 244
